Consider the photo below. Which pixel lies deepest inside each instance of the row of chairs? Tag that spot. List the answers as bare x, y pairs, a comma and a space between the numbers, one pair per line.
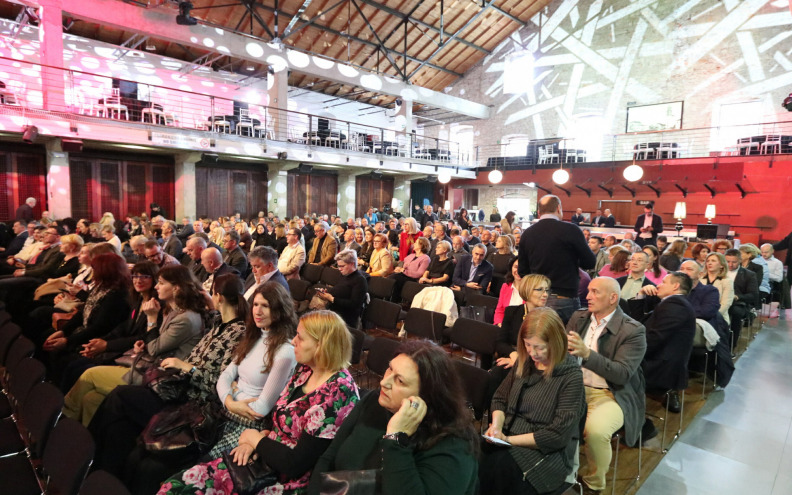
41, 452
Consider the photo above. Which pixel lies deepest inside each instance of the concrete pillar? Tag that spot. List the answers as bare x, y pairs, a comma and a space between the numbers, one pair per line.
51, 55
404, 117
277, 187
401, 191
58, 180
184, 184
347, 192
278, 101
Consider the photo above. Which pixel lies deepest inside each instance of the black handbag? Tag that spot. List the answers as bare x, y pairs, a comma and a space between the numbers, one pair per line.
250, 478
189, 426
169, 384
356, 482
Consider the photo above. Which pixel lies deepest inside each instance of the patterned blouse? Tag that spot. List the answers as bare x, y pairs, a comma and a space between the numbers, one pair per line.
210, 356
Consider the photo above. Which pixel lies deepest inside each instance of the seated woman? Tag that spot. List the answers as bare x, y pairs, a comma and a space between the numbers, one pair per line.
509, 295
504, 247
671, 259
700, 252
655, 273
537, 410
381, 261
715, 273
534, 289
416, 429
263, 363
751, 259
441, 268
348, 295
410, 232
103, 350
314, 404
128, 408
182, 326
413, 267
618, 266
366, 247
107, 306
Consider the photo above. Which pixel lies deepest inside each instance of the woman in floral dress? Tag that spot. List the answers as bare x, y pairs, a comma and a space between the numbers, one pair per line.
315, 402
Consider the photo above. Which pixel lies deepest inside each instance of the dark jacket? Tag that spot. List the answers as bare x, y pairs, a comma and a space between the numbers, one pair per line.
173, 247
746, 288
185, 232
705, 300
16, 244
669, 340
237, 259
577, 219
462, 272
621, 348
110, 311
609, 222
349, 297
657, 226
222, 270
46, 263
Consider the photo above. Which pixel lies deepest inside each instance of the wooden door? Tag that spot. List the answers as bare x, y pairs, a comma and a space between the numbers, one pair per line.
622, 210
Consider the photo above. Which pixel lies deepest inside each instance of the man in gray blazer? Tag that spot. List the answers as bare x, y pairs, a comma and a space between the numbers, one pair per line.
611, 346
264, 268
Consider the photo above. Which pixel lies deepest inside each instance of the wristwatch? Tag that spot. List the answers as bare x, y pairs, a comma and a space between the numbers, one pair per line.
399, 437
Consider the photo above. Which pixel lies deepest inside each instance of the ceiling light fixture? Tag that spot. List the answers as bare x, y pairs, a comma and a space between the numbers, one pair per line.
560, 176
633, 173
495, 176
444, 176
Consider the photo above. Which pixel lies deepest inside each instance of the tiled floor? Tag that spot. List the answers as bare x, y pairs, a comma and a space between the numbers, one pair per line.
741, 440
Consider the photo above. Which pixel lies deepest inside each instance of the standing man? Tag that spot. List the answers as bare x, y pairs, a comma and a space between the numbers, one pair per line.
648, 226
610, 220
598, 220
555, 249
25, 211
611, 346
578, 217
776, 269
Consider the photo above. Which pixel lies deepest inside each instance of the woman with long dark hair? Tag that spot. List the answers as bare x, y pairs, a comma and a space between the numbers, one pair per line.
183, 306
416, 429
462, 219
507, 224
655, 272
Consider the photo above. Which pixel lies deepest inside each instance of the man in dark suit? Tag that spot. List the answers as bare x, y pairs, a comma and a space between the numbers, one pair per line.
609, 221
25, 211
263, 268
172, 244
234, 256
648, 226
611, 346
212, 261
555, 249
473, 271
670, 329
196, 246
746, 292
20, 236
185, 231
578, 217
598, 220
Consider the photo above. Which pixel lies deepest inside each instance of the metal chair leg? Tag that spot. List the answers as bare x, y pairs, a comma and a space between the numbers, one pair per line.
663, 447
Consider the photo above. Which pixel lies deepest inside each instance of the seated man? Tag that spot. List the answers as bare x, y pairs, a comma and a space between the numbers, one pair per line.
154, 253
349, 295
234, 255
632, 283
670, 329
473, 271
746, 292
324, 247
263, 268
611, 346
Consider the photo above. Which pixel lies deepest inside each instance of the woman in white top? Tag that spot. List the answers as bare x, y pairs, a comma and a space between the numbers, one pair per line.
263, 363
716, 274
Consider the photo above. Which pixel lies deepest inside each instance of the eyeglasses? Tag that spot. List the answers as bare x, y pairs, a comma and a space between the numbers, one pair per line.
140, 276
153, 256
542, 289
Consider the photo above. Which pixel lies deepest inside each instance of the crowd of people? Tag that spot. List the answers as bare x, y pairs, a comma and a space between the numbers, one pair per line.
117, 307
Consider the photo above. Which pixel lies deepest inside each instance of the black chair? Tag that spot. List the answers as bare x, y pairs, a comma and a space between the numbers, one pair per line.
330, 276
102, 483
489, 303
381, 288
382, 314
312, 273
68, 456
23, 378
298, 289
5, 317
425, 324
8, 334
38, 417
22, 348
380, 353
476, 386
409, 291
476, 336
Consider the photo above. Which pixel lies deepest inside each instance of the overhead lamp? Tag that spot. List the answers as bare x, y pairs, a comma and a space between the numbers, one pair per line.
560, 176
495, 176
444, 176
709, 213
395, 204
447, 205
680, 212
633, 173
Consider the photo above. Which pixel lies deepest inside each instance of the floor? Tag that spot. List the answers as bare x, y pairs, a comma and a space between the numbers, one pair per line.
740, 442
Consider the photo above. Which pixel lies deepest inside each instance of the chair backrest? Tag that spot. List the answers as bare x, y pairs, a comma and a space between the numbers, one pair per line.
476, 386
410, 290
476, 336
425, 324
26, 374
330, 276
358, 339
312, 273
68, 456
41, 411
381, 351
102, 483
382, 314
5, 317
8, 334
381, 287
475, 299
298, 288
22, 348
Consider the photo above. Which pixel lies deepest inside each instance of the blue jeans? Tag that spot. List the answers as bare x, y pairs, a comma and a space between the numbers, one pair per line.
565, 307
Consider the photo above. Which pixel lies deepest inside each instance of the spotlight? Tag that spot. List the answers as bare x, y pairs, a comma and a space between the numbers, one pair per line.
30, 134
495, 176
560, 176
184, 19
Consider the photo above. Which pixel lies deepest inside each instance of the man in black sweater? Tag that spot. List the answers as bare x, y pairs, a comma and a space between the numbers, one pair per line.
555, 249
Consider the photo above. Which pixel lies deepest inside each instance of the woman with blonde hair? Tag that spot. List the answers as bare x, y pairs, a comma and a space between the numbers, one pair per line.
381, 261
107, 219
316, 400
537, 410
534, 289
407, 237
715, 273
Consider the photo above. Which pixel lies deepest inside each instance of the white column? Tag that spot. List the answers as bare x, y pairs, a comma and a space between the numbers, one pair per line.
401, 191
184, 185
347, 192
51, 55
277, 187
278, 102
58, 180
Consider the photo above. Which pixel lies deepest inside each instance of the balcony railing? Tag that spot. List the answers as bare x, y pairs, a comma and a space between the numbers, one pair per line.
77, 95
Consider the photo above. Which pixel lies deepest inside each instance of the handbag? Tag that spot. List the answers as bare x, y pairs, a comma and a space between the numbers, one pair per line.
51, 286
357, 482
141, 362
250, 478
183, 427
169, 384
318, 303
